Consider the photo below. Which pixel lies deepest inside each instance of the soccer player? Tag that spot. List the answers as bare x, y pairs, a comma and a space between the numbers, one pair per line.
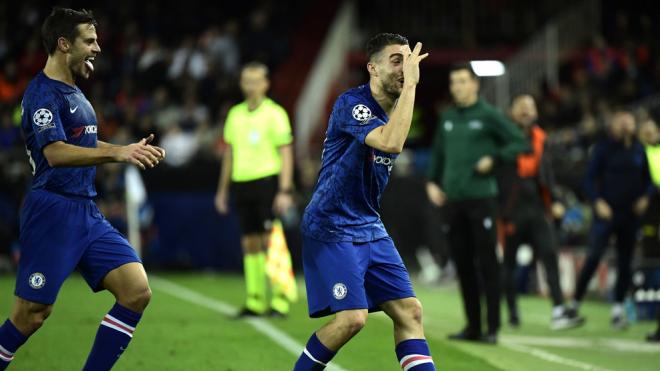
259, 164
351, 264
61, 227
526, 190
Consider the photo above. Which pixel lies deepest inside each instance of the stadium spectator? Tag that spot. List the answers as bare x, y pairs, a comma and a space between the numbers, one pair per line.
470, 139
528, 201
618, 185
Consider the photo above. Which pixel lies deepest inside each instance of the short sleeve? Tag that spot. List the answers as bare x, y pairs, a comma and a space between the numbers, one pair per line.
228, 131
45, 120
354, 117
281, 131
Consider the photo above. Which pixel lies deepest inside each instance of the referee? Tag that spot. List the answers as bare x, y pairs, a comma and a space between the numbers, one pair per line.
471, 138
258, 163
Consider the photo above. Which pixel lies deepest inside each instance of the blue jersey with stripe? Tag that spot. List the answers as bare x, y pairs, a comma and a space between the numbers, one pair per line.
346, 200
55, 111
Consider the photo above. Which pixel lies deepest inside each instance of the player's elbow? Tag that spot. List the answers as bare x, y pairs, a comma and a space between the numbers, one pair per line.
393, 149
391, 145
53, 161
384, 141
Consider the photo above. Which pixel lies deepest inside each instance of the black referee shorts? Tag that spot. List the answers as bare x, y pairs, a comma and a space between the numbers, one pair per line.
254, 204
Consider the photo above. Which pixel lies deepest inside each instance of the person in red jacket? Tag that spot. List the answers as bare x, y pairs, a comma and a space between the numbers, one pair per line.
527, 207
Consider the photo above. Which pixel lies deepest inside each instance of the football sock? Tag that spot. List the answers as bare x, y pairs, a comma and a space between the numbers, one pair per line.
414, 355
279, 302
314, 357
112, 338
254, 266
10, 340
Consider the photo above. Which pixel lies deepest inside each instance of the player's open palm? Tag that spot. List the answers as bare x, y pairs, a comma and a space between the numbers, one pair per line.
411, 65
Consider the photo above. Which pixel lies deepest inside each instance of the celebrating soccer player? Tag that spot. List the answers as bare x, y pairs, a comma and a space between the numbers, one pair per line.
351, 264
61, 227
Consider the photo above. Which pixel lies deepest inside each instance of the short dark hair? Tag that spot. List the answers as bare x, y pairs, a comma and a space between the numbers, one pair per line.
256, 65
463, 66
380, 41
63, 22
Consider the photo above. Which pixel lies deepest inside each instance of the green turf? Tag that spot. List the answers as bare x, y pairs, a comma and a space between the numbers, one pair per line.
177, 335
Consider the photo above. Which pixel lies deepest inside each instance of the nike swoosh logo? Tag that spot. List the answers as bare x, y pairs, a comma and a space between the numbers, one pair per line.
73, 110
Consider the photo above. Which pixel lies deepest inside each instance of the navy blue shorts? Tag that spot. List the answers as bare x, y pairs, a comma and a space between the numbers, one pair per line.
346, 275
59, 234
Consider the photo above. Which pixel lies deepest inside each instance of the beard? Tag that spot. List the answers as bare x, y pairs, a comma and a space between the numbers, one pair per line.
78, 68
392, 87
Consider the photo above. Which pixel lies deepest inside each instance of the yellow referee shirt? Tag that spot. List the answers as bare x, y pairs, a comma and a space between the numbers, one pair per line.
653, 157
255, 137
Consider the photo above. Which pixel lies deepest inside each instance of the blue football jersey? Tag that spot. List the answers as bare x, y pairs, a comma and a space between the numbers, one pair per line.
54, 111
346, 200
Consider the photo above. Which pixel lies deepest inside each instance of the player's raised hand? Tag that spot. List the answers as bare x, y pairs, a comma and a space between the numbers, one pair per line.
411, 65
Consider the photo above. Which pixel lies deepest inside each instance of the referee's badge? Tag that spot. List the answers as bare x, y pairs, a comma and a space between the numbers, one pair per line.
339, 291
37, 280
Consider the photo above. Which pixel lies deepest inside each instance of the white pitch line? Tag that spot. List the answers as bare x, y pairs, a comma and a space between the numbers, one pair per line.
621, 345
276, 335
538, 353
551, 357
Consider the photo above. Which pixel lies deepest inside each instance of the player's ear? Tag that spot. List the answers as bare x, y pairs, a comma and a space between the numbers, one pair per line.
63, 44
371, 68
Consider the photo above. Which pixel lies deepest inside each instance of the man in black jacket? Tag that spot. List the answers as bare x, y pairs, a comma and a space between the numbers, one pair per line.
618, 184
527, 205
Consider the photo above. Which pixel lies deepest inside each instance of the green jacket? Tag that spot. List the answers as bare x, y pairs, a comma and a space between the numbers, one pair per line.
463, 136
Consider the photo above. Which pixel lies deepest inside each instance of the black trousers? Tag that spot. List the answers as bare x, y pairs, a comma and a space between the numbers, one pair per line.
531, 226
472, 237
625, 228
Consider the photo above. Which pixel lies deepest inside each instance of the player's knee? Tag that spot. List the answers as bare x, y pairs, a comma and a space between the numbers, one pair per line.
408, 313
138, 300
31, 316
414, 310
353, 321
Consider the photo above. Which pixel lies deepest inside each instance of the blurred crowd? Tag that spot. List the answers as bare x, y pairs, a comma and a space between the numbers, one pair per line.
179, 81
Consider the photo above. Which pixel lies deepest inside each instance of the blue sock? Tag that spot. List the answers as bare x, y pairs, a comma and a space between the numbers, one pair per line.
10, 340
414, 355
314, 357
112, 338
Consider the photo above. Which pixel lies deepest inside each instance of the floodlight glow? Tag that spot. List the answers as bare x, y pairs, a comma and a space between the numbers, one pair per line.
488, 68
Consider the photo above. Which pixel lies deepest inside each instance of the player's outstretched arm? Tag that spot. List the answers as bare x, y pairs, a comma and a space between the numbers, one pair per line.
391, 136
141, 154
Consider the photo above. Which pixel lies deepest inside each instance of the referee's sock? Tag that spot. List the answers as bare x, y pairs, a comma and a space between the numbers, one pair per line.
10, 340
112, 338
314, 357
414, 355
254, 266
